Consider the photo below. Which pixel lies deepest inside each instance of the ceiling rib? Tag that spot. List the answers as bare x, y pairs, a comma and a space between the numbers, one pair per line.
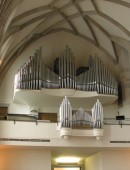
65, 17
90, 12
115, 23
120, 2
86, 21
46, 15
15, 29
69, 22
92, 31
105, 32
108, 54
72, 32
30, 12
114, 48
5, 12
42, 8
54, 2
66, 6
98, 26
110, 19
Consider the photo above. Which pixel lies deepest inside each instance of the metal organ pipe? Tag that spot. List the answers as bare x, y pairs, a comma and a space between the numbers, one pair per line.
65, 113
80, 118
97, 115
97, 78
36, 75
67, 69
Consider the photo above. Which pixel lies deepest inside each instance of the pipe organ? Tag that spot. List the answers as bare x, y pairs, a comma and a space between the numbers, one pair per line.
34, 74
80, 118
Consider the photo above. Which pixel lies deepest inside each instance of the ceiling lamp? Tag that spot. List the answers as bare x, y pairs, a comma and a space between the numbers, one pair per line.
67, 160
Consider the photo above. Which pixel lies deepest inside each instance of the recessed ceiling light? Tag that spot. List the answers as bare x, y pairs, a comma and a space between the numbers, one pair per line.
67, 160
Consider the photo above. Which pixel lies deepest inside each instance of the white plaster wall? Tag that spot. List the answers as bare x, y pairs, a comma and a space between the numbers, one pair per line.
47, 131
117, 160
94, 162
109, 159
25, 159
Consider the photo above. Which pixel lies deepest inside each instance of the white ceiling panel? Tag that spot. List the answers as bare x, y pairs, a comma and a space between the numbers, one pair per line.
109, 27
82, 27
86, 5
61, 3
127, 1
118, 12
104, 41
31, 16
70, 10
65, 25
29, 4
6, 46
23, 33
49, 23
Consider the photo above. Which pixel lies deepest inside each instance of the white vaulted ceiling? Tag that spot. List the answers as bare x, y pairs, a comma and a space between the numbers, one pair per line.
96, 21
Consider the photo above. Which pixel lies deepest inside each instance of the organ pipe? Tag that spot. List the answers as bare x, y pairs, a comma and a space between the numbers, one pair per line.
80, 118
34, 74
65, 113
